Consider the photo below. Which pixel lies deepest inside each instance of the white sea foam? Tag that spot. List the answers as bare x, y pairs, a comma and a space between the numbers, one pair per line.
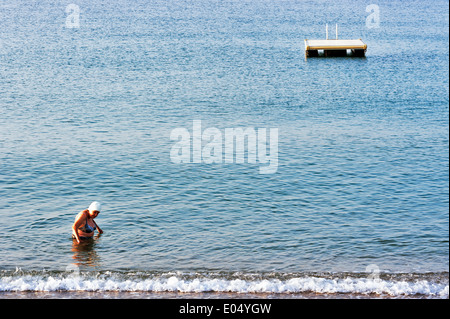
177, 283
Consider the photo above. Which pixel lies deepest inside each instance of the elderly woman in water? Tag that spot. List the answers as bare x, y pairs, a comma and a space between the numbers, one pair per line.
84, 225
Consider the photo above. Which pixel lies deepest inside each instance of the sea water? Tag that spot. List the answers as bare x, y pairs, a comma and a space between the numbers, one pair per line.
90, 93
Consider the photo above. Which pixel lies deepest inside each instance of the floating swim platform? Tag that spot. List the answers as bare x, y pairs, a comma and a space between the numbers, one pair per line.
335, 47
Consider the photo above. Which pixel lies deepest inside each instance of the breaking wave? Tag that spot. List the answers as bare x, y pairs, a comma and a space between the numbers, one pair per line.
428, 285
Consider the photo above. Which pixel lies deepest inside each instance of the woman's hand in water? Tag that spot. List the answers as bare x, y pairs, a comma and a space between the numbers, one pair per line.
75, 235
100, 231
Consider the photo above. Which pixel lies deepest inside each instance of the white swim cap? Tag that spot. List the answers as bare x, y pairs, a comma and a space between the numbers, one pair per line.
95, 206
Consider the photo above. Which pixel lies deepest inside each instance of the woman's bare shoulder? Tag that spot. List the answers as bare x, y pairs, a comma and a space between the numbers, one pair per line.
81, 214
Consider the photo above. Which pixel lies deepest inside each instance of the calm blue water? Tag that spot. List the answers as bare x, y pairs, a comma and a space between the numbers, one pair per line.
87, 113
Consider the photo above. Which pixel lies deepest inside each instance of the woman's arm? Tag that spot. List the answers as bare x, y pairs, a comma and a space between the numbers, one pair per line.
98, 228
78, 222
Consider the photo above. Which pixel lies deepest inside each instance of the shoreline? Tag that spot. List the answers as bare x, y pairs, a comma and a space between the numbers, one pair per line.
73, 284
200, 295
